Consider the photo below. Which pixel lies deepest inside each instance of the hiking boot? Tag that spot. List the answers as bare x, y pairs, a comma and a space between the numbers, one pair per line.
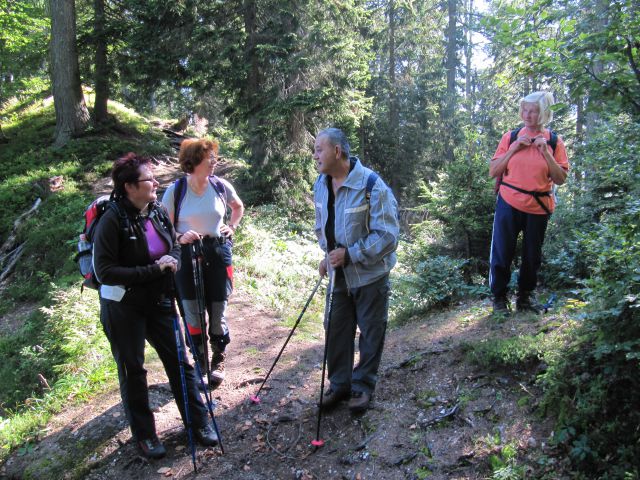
332, 398
217, 367
500, 305
152, 448
527, 303
359, 402
206, 436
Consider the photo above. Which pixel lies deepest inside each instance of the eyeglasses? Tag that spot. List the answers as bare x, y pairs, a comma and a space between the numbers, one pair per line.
152, 180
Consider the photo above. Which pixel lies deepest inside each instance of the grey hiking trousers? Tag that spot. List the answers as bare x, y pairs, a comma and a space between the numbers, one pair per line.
366, 308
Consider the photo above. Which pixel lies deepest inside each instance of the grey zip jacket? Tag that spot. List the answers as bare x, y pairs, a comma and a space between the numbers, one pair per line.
370, 236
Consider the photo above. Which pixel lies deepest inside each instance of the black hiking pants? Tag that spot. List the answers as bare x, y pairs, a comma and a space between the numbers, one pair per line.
127, 327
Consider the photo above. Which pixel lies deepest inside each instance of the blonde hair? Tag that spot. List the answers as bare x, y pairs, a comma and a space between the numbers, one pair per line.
544, 100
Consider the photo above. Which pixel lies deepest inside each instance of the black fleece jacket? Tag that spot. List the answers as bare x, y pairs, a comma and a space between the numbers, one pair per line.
121, 254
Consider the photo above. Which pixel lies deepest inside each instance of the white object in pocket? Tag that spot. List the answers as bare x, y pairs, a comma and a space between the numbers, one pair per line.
112, 292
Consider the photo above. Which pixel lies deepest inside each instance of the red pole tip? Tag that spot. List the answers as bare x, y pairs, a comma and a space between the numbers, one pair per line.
255, 399
317, 443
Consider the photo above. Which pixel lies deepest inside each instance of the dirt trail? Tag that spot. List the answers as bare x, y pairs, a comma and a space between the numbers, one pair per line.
434, 416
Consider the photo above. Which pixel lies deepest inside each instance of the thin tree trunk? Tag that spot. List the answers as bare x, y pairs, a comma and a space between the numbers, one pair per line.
101, 65
451, 62
252, 90
72, 115
394, 116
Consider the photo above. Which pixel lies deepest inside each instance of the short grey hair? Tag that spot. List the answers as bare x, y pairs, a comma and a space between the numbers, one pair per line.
544, 100
336, 137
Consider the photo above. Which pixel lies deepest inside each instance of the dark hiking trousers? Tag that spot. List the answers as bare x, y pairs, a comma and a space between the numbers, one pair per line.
508, 222
218, 286
366, 308
127, 327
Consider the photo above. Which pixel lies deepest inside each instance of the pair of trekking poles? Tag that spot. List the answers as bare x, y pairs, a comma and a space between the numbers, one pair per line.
197, 258
316, 442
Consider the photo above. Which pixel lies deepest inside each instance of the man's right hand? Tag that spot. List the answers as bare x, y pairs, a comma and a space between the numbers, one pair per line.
322, 268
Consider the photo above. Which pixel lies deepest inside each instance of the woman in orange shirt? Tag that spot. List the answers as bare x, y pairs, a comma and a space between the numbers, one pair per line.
526, 168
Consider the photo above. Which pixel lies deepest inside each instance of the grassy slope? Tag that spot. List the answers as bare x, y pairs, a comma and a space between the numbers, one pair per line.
62, 342
56, 355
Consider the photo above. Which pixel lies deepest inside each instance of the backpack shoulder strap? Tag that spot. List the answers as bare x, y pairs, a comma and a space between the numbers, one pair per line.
553, 140
371, 181
514, 135
179, 191
220, 189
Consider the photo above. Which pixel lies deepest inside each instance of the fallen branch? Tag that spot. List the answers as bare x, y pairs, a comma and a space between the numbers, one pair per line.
13, 260
418, 356
364, 442
250, 381
438, 418
11, 239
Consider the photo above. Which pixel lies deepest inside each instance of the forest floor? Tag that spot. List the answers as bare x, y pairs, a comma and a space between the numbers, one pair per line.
435, 414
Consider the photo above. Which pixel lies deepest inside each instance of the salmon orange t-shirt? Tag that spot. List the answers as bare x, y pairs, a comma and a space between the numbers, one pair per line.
527, 169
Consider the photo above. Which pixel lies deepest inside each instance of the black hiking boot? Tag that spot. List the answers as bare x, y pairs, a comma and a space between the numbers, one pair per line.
526, 302
501, 306
332, 398
206, 436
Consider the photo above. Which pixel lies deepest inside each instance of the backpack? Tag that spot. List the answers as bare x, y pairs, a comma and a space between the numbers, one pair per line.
92, 216
553, 143
180, 190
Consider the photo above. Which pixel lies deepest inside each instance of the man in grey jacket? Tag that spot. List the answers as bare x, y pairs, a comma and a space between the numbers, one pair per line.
357, 227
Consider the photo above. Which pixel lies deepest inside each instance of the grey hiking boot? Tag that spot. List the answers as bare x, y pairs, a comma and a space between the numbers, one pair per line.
152, 448
526, 302
217, 367
360, 402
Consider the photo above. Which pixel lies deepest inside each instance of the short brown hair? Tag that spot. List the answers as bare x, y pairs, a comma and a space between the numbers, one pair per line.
126, 170
194, 151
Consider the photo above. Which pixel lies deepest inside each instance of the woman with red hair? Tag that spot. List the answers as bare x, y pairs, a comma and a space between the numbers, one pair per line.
197, 205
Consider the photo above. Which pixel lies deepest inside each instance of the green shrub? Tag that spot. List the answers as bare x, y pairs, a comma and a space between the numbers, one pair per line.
517, 352
433, 283
594, 388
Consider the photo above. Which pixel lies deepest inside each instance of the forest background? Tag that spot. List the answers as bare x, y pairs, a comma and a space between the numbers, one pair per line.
424, 90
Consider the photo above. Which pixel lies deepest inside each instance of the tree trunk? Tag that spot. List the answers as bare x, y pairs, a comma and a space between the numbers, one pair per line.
468, 54
101, 65
451, 62
72, 115
252, 89
394, 110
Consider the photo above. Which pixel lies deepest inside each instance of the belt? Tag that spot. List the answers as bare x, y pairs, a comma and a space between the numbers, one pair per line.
214, 240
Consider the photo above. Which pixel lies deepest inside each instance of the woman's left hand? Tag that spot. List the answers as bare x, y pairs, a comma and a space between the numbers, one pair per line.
227, 230
167, 261
540, 143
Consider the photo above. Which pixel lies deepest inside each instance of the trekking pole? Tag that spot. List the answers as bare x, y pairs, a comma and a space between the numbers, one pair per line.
197, 257
183, 381
318, 442
256, 398
207, 394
